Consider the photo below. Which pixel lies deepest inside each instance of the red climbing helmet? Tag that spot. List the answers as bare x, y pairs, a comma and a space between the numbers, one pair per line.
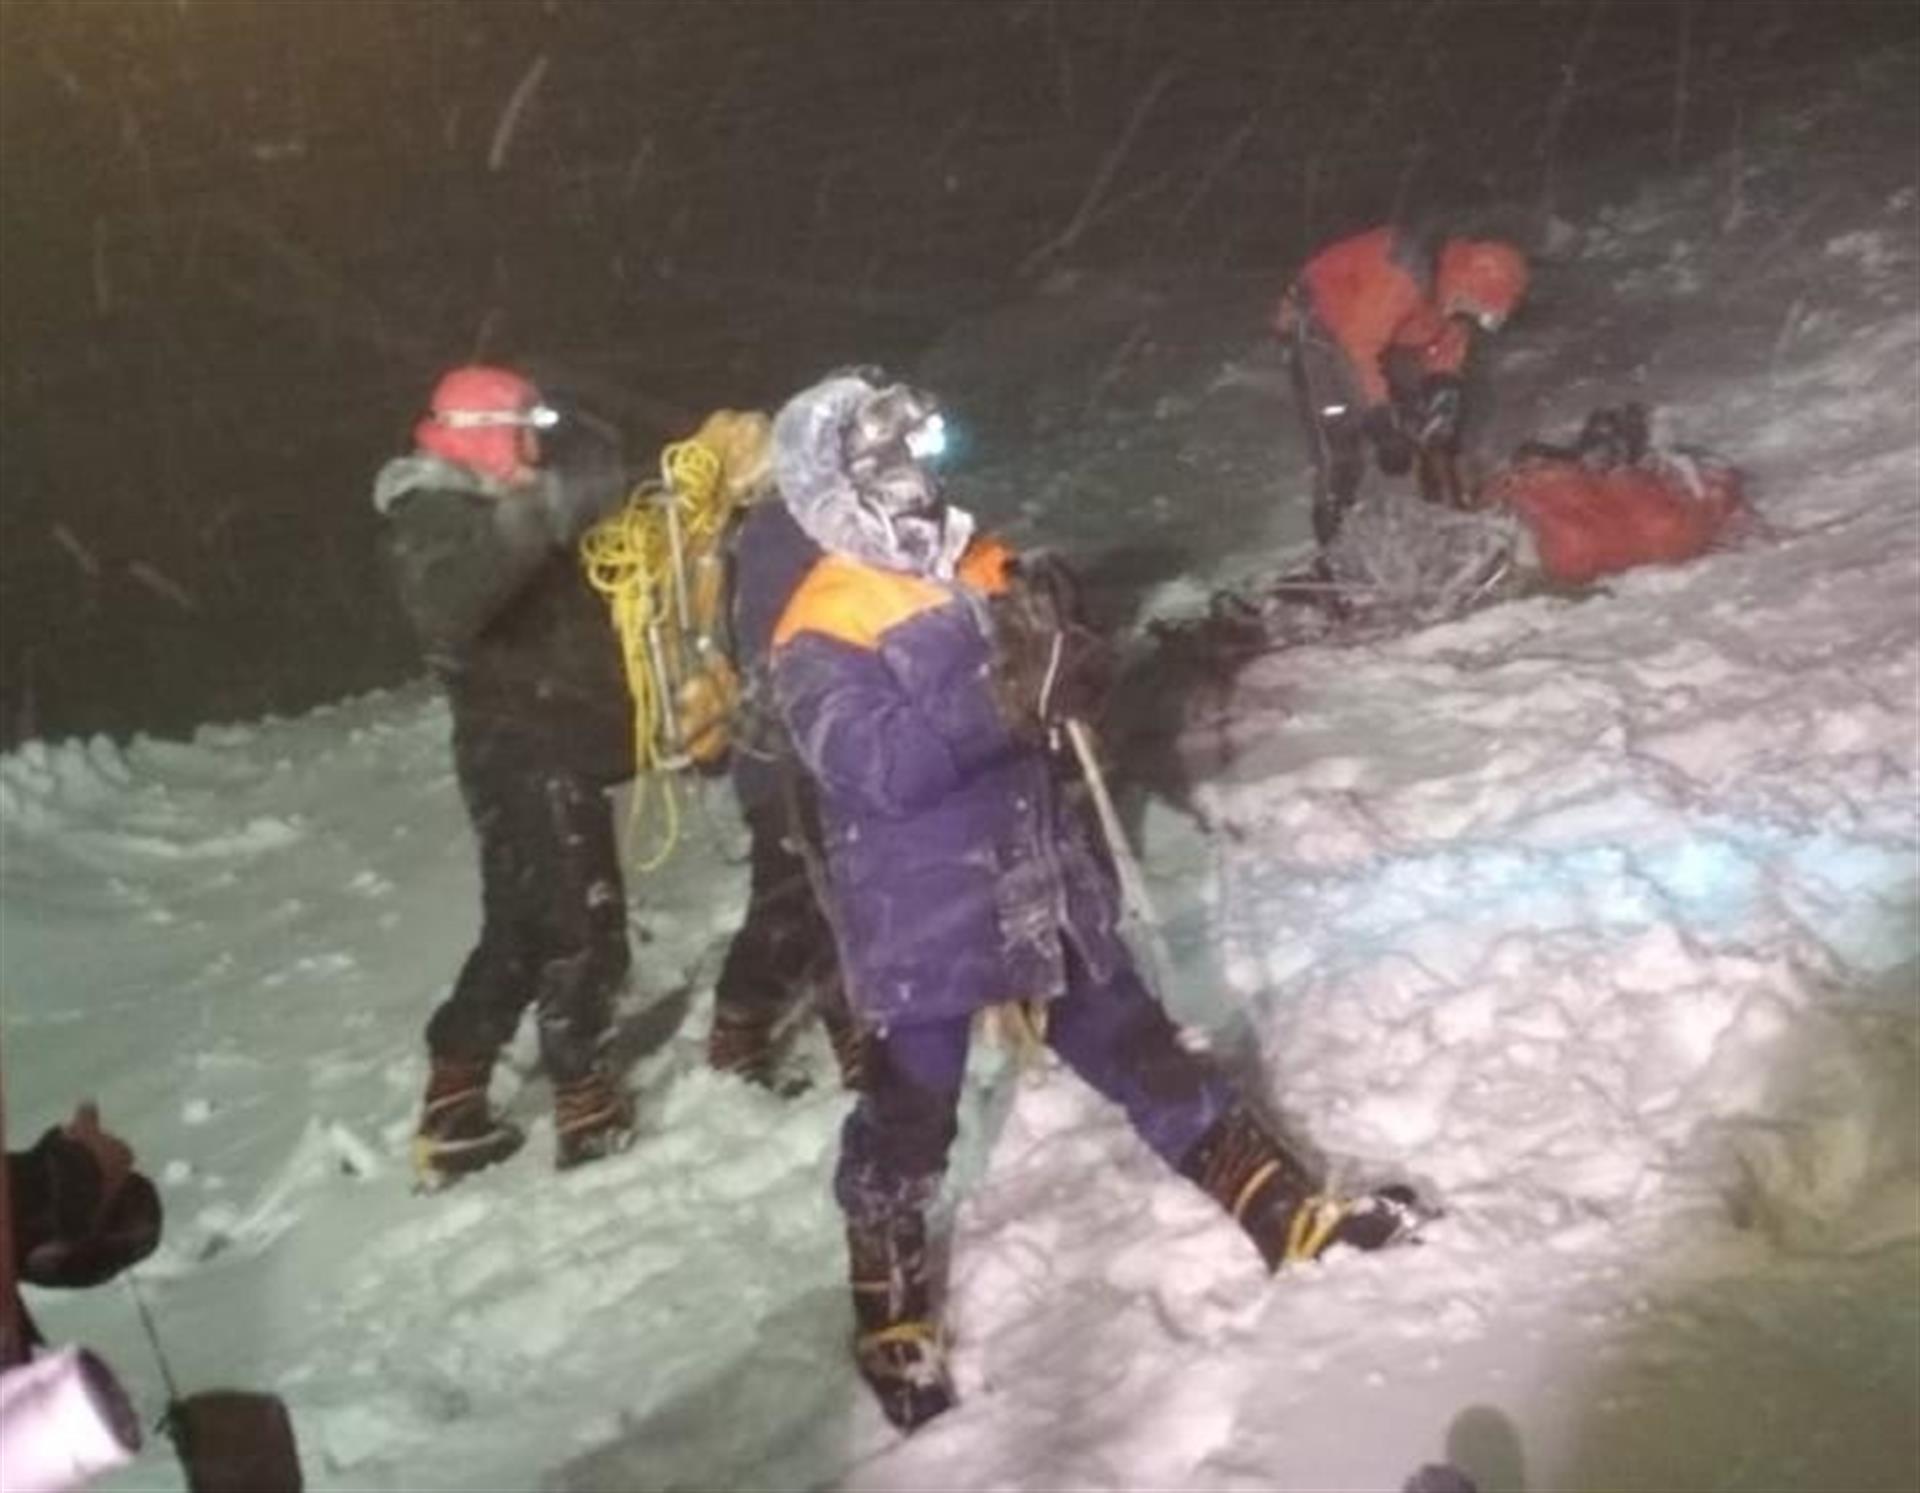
1481, 278
476, 417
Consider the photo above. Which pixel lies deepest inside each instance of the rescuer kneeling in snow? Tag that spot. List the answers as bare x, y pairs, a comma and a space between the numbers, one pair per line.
481, 534
1379, 326
922, 674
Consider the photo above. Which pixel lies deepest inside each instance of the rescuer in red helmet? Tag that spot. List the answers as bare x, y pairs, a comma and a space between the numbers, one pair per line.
1379, 326
481, 528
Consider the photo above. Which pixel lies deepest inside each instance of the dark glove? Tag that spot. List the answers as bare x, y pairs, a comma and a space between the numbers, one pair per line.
588, 484
1050, 582
1442, 403
1048, 666
1021, 649
83, 1213
1082, 677
1391, 448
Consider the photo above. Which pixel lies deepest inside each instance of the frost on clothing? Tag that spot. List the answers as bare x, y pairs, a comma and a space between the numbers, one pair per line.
542, 725
808, 454
1111, 1032
955, 861
509, 623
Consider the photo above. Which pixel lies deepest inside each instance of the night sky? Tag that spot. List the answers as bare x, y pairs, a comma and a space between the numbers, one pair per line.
239, 240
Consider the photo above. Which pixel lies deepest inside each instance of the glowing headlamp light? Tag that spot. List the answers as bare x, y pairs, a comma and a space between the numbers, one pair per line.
539, 417
927, 439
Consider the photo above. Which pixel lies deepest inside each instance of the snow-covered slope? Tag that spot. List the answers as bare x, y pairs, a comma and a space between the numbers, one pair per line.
1600, 917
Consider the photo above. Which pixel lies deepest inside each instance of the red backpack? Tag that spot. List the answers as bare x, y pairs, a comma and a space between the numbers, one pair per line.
1597, 511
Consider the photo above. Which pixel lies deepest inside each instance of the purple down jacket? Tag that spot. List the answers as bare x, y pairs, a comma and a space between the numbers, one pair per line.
957, 857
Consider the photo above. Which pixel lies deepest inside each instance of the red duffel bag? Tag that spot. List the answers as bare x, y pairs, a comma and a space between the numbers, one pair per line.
1587, 522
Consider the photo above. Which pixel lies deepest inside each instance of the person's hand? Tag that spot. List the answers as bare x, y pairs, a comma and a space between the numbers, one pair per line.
111, 1154
99, 1214
705, 704
1442, 404
1391, 448
1051, 582
1048, 665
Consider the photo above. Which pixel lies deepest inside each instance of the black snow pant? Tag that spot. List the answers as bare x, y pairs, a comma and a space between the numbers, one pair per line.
784, 951
553, 929
1328, 400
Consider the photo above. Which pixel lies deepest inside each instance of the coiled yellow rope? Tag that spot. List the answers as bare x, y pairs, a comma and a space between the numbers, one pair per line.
643, 560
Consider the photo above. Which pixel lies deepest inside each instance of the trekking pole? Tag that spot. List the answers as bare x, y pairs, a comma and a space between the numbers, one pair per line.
1133, 886
153, 1339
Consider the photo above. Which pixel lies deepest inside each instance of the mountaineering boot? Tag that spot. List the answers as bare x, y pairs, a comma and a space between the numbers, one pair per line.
896, 1342
741, 1043
1270, 1195
592, 1118
459, 1132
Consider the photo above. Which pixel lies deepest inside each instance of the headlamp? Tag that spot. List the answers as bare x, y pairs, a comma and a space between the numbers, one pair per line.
538, 417
928, 439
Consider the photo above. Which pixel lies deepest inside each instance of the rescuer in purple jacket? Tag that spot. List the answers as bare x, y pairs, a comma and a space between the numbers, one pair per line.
919, 671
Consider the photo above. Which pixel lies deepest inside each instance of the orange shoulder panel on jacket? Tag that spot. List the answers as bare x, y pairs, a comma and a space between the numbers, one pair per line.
986, 564
855, 603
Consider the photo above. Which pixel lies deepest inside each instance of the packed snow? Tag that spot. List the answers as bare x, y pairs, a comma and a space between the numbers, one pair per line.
1598, 917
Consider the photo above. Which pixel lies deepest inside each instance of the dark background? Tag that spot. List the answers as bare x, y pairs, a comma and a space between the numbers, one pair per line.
239, 239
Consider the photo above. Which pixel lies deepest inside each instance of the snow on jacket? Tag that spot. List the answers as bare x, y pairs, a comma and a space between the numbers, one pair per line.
955, 859
511, 627
809, 462
1373, 294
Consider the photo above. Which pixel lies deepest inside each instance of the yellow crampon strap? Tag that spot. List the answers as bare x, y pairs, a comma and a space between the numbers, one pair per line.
917, 1332
1019, 1026
1251, 1187
1312, 1228
657, 562
427, 1176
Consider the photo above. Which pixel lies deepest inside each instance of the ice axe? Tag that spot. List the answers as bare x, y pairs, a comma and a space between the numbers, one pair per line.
1133, 885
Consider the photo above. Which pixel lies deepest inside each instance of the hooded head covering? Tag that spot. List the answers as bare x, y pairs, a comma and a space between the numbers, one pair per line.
844, 456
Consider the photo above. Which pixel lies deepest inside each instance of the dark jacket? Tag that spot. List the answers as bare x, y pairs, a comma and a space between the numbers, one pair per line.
771, 555
522, 643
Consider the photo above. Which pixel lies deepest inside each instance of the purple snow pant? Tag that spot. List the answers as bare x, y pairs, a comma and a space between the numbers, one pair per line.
1113, 1033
